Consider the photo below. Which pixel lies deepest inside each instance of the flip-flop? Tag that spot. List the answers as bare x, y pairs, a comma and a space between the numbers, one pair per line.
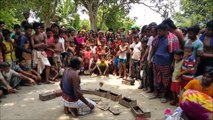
163, 100
153, 97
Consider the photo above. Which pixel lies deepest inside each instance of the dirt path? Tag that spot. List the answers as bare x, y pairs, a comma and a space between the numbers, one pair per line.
26, 106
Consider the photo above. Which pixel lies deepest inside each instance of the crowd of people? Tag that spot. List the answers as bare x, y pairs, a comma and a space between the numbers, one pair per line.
164, 58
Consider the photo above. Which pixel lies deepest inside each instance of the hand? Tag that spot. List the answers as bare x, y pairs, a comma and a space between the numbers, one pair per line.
149, 62
91, 106
178, 76
10, 89
31, 81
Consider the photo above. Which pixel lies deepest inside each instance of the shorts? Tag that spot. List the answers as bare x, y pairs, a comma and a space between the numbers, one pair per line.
123, 60
175, 87
116, 63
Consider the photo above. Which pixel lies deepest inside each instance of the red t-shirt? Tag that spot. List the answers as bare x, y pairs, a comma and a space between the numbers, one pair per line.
49, 42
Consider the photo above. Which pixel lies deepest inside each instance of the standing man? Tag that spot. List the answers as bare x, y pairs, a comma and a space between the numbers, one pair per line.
39, 43
161, 51
73, 99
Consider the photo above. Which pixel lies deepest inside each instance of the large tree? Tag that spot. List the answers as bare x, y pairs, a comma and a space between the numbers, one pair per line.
194, 12
163, 7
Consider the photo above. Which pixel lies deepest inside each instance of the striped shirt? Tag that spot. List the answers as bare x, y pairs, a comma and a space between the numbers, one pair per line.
188, 63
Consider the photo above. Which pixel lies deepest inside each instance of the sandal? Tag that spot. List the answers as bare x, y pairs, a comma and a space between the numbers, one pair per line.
163, 100
172, 102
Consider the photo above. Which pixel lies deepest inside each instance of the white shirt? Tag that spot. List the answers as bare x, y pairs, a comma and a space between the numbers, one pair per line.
93, 49
136, 50
122, 55
62, 41
149, 44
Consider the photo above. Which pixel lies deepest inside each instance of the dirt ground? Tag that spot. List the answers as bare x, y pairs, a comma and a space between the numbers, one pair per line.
26, 105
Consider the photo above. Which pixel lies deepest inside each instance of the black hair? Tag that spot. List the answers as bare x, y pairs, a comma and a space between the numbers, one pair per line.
16, 26
1, 22
36, 25
144, 28
21, 59
184, 30
48, 30
179, 52
152, 24
170, 23
61, 31
209, 70
55, 25
75, 62
28, 26
56, 36
188, 47
4, 64
110, 29
162, 26
144, 39
195, 29
209, 24
5, 32
135, 36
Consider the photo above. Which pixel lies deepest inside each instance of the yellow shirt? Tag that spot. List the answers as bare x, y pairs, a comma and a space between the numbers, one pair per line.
177, 69
196, 85
9, 57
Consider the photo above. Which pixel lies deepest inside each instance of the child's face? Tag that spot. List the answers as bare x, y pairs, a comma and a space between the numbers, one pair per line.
23, 63
187, 52
144, 44
177, 57
153, 32
191, 35
6, 69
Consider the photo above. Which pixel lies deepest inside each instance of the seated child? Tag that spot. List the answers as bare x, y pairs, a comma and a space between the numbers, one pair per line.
93, 64
25, 70
102, 65
175, 86
13, 78
57, 52
86, 57
188, 67
54, 74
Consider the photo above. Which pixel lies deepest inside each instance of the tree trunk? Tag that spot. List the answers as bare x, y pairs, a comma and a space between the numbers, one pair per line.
93, 18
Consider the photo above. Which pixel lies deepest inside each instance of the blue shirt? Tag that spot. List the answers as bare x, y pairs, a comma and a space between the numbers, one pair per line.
24, 40
162, 55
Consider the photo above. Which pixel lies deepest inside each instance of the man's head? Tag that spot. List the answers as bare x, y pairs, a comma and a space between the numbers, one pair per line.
49, 32
28, 29
193, 32
5, 67
55, 28
188, 49
26, 14
207, 76
6, 33
162, 30
170, 24
76, 63
17, 28
37, 27
136, 38
209, 28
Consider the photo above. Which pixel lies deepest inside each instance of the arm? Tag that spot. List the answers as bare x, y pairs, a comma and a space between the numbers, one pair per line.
4, 49
9, 88
21, 46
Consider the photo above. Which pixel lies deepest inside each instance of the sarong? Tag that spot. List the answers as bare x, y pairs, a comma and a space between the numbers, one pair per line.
40, 59
82, 108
